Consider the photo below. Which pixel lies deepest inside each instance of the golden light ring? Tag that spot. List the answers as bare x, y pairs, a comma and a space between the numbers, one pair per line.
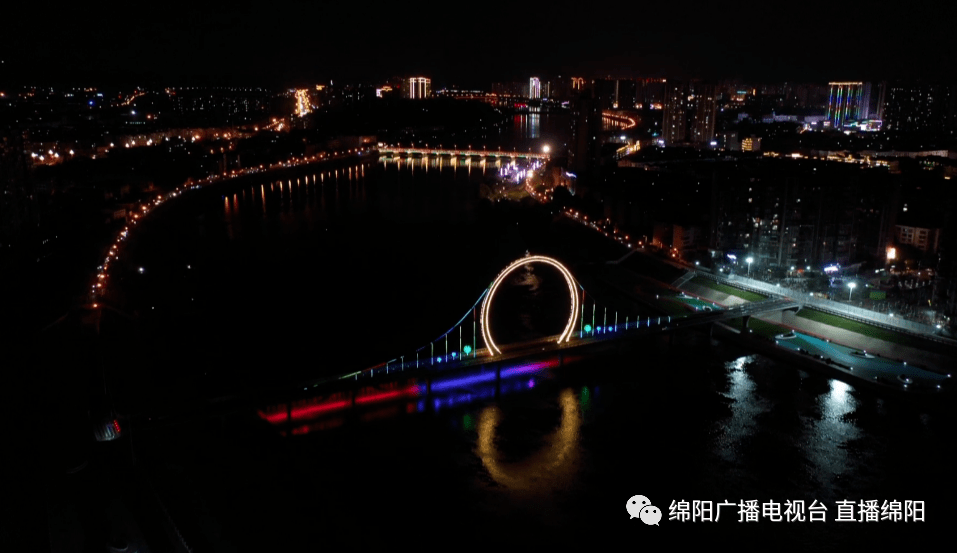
566, 334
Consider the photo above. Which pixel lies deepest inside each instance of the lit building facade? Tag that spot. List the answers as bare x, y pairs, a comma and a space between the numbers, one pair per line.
534, 88
417, 88
751, 144
846, 103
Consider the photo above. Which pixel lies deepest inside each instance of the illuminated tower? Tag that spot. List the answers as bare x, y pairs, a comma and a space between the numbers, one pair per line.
418, 87
844, 103
534, 88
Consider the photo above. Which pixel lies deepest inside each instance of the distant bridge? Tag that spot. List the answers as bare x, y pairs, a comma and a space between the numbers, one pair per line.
625, 120
453, 152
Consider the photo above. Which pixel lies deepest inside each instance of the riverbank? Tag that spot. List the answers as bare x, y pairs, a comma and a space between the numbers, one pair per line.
933, 361
936, 398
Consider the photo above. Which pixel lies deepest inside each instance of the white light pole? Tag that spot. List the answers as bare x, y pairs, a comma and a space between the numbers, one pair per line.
851, 286
749, 260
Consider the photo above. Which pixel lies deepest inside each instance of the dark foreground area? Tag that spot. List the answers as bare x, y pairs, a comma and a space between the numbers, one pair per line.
552, 461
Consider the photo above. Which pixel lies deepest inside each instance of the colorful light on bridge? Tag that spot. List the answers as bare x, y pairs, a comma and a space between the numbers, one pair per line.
312, 409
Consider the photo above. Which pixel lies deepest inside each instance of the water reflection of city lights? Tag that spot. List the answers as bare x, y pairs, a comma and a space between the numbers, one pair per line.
98, 290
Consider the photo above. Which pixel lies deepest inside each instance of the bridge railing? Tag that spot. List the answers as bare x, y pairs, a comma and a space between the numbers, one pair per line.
454, 359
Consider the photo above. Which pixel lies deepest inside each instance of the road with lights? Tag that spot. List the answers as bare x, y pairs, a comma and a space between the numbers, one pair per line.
303, 104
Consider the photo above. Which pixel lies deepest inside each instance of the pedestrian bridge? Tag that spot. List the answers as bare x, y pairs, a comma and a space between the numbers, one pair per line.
468, 357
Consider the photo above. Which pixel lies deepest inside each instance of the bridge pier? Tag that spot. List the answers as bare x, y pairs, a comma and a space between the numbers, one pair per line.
429, 405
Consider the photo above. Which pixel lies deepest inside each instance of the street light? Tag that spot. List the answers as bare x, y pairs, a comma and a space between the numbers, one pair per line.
749, 260
851, 286
545, 149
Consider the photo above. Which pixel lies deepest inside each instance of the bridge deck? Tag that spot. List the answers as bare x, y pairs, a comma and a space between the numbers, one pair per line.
463, 153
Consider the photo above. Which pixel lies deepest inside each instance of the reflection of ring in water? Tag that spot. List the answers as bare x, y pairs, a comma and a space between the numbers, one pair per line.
548, 463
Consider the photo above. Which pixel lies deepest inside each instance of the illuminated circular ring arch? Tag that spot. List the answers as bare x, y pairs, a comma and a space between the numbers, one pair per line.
566, 334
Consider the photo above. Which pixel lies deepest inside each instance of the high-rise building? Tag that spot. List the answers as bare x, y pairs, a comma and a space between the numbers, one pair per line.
881, 100
705, 111
924, 239
866, 101
417, 88
534, 88
787, 216
917, 106
583, 150
729, 141
18, 200
560, 88
673, 128
604, 92
844, 103
650, 92
626, 93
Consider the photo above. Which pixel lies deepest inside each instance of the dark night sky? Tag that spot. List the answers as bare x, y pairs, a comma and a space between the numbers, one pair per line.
292, 42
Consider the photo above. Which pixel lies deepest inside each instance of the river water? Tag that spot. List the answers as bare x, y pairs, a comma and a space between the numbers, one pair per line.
336, 269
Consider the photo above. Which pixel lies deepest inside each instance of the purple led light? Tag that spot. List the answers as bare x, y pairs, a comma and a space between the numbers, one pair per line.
525, 368
464, 381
